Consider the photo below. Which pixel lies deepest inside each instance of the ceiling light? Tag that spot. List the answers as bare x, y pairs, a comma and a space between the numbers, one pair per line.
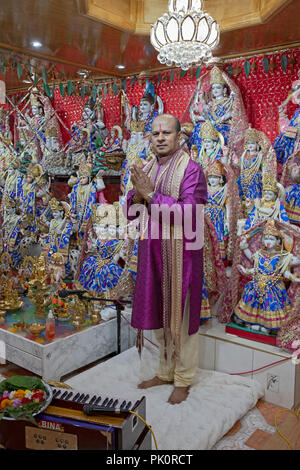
185, 35
120, 66
36, 44
83, 72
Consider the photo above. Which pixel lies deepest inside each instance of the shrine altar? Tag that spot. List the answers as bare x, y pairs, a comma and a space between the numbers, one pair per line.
70, 350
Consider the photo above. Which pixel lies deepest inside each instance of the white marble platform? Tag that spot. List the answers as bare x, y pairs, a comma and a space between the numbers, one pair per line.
54, 360
225, 352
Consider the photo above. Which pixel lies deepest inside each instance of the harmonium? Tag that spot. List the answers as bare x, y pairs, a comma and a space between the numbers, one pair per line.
81, 421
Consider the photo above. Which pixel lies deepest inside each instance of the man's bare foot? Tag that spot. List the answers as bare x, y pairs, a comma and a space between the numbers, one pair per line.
178, 395
153, 382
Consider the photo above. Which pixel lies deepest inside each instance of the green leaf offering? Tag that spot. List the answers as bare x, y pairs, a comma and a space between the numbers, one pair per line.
21, 381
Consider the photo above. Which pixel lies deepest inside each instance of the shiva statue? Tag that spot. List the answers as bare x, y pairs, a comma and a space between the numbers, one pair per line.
290, 179
265, 302
57, 240
269, 206
146, 111
99, 271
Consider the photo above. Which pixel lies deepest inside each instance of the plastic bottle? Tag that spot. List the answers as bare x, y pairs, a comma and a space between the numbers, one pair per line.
50, 326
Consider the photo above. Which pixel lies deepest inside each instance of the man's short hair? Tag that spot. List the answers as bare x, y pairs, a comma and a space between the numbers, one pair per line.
177, 122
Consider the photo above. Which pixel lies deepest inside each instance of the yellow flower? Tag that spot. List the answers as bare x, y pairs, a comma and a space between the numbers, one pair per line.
20, 394
4, 403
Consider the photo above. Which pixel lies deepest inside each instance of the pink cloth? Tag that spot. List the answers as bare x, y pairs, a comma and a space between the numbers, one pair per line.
147, 313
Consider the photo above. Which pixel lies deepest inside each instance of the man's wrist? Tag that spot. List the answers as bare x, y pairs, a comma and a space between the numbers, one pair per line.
136, 199
149, 196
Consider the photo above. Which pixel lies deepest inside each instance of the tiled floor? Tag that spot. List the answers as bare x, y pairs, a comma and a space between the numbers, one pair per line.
249, 433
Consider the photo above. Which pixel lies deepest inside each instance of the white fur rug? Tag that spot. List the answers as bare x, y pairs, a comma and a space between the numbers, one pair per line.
215, 402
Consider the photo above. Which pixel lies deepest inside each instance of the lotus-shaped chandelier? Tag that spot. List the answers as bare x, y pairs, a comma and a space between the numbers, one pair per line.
185, 35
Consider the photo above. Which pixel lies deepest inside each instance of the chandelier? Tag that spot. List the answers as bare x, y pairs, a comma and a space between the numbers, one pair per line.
185, 35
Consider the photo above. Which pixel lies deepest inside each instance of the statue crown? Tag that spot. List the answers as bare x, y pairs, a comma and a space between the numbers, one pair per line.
270, 183
85, 169
34, 170
208, 131
216, 76
216, 169
251, 135
55, 205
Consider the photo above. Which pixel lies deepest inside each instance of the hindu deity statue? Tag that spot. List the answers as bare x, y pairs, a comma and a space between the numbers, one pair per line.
57, 240
4, 123
290, 179
89, 133
136, 153
212, 143
99, 270
11, 231
256, 160
288, 140
146, 111
217, 208
32, 122
112, 152
223, 206
83, 197
270, 205
187, 132
11, 179
113, 142
34, 196
27, 147
218, 100
265, 302
53, 158
6, 150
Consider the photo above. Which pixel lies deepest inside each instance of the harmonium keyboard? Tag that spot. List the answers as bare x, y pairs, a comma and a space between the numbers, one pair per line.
81, 421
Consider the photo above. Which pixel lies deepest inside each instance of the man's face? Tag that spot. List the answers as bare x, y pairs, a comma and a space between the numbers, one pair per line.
165, 139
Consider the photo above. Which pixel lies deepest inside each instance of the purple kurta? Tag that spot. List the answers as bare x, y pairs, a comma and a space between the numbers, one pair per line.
147, 312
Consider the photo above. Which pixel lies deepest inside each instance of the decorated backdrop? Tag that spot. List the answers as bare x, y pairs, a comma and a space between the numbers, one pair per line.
264, 80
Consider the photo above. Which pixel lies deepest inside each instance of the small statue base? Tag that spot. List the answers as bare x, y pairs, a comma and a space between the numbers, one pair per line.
246, 333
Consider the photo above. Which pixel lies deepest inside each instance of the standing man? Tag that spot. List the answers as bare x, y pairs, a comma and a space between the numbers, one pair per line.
168, 291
